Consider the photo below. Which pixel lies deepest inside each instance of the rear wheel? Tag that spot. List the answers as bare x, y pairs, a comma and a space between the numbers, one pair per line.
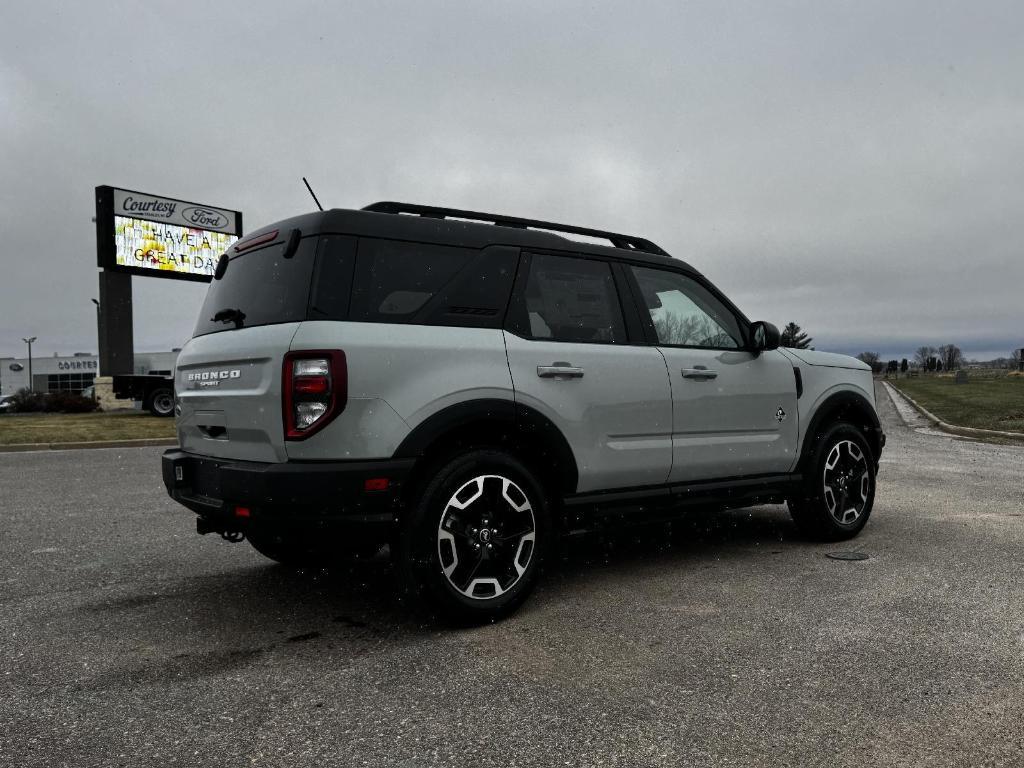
839, 485
474, 540
161, 402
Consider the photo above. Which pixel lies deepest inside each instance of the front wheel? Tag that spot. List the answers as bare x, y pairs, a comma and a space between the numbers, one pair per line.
838, 489
474, 540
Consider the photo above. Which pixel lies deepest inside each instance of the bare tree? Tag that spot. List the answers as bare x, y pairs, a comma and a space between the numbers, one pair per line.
690, 330
923, 354
872, 359
951, 357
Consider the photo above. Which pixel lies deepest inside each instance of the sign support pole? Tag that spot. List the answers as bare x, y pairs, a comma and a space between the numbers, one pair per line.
116, 337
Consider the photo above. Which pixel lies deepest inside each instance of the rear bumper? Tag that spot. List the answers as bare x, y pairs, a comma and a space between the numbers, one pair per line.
233, 495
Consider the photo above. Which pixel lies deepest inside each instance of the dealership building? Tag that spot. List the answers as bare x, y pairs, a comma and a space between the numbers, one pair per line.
72, 373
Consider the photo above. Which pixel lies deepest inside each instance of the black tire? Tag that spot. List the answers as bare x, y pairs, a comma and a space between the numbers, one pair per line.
474, 537
291, 549
838, 490
301, 549
161, 402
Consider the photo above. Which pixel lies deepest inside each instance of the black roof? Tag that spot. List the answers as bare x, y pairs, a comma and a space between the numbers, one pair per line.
471, 229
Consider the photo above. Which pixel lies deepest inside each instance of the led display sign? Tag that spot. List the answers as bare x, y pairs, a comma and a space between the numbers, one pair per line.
161, 237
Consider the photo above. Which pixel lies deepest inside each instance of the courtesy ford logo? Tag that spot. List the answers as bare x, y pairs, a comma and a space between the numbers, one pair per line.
204, 218
214, 375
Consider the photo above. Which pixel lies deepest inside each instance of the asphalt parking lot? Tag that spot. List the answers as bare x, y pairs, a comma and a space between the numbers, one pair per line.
126, 639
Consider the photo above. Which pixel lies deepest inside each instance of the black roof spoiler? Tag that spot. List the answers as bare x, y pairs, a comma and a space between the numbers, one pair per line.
627, 242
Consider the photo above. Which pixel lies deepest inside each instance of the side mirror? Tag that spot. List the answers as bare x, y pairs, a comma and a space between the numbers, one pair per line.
764, 336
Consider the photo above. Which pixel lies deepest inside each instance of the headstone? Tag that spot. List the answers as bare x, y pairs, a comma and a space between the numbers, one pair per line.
961, 377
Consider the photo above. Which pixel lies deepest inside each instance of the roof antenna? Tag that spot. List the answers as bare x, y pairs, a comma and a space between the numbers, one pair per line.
312, 193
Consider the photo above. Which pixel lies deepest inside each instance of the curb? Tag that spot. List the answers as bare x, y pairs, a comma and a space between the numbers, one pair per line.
146, 442
951, 428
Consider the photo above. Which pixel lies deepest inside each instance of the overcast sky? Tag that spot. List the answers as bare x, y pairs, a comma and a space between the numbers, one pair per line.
855, 167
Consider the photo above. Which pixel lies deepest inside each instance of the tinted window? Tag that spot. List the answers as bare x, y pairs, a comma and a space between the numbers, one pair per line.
475, 296
478, 294
394, 280
332, 284
685, 313
259, 288
571, 299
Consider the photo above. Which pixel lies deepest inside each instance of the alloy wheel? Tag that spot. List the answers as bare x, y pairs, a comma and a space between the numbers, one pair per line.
847, 482
486, 537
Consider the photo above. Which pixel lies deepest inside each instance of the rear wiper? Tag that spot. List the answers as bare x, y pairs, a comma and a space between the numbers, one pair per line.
235, 316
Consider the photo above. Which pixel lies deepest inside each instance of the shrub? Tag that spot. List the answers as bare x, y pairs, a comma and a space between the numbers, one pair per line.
25, 401
68, 402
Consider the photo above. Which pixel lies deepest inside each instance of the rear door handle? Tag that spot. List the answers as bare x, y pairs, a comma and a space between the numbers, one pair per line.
559, 371
700, 374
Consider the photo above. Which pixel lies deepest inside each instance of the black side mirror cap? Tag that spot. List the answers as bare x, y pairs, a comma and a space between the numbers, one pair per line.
764, 337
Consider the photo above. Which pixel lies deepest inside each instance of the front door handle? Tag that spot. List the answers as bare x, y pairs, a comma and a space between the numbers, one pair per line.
559, 371
699, 373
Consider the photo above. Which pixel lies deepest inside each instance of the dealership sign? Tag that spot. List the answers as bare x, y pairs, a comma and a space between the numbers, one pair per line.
161, 236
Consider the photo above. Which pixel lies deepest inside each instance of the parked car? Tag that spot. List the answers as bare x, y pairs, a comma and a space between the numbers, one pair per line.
5, 403
467, 386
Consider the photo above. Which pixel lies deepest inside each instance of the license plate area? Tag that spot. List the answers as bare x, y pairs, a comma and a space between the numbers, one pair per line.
205, 478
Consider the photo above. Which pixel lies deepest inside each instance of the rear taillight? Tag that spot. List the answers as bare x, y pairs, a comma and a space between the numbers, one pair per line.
314, 391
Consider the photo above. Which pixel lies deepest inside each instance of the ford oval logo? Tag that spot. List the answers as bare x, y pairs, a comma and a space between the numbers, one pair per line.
204, 218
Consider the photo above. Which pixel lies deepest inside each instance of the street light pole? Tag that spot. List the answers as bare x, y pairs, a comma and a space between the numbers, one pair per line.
31, 385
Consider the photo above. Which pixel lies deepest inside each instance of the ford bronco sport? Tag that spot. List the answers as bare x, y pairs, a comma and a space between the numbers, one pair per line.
465, 386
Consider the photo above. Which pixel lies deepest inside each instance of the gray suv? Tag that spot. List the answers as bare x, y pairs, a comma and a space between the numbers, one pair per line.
466, 386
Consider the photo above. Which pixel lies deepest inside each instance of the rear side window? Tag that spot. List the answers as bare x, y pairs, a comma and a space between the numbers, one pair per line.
398, 282
394, 280
570, 299
259, 288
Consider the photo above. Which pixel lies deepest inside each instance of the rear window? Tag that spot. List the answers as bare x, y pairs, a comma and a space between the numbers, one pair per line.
394, 280
259, 288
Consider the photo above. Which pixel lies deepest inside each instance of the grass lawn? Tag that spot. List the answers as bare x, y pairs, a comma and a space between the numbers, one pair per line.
984, 403
71, 428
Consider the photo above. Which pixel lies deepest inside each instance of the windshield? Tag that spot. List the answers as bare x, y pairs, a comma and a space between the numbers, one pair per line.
259, 288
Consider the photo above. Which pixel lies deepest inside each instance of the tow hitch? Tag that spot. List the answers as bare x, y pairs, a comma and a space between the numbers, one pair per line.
204, 526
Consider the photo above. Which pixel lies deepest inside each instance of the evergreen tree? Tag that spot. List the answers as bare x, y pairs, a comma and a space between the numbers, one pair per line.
794, 337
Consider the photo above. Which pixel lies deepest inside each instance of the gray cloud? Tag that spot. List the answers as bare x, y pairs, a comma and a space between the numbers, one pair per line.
857, 168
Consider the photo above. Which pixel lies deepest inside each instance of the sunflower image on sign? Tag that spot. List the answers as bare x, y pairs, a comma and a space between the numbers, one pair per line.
168, 247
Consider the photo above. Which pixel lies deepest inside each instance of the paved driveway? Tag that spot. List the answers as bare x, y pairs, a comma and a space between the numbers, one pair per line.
125, 639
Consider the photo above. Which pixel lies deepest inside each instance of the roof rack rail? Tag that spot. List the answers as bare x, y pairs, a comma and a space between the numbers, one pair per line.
627, 242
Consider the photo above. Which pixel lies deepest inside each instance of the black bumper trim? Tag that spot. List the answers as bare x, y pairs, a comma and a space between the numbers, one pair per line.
286, 492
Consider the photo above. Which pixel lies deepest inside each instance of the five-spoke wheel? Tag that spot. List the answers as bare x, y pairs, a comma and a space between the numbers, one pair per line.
486, 536
846, 482
838, 490
475, 535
